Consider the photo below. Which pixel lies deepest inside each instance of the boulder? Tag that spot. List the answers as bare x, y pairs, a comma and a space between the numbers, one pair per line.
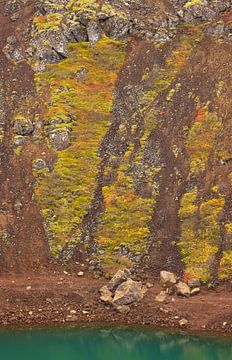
118, 278
182, 289
93, 31
128, 292
59, 139
106, 294
168, 278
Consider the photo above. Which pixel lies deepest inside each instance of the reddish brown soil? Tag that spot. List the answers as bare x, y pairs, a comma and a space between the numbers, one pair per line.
48, 300
27, 247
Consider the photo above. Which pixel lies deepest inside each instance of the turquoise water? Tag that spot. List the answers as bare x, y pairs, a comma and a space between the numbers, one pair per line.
109, 344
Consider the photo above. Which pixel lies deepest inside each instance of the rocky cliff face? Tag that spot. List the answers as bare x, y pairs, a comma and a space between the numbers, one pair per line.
118, 143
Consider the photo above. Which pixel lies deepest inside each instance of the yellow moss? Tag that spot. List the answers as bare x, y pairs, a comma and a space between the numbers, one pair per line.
126, 216
225, 270
201, 139
65, 193
48, 22
173, 65
199, 239
193, 2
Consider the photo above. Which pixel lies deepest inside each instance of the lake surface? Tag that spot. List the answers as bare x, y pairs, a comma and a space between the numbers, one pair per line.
109, 344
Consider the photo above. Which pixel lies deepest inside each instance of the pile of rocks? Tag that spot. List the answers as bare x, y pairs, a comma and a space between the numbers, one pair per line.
173, 285
122, 291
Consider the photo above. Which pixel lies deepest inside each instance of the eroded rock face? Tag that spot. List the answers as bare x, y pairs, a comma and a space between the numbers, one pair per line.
138, 110
114, 20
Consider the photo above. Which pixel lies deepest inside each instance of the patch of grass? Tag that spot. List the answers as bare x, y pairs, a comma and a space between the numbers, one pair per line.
65, 194
126, 216
200, 234
201, 139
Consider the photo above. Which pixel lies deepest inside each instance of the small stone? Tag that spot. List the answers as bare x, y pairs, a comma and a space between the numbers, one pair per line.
15, 17
22, 126
28, 287
80, 273
71, 318
161, 297
30, 313
39, 164
195, 291
65, 272
183, 322
165, 311
73, 312
18, 205
225, 323
124, 309
85, 312
168, 278
106, 294
149, 285
11, 40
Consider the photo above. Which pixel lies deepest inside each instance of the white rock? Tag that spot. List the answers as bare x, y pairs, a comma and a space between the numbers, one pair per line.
195, 291
161, 297
81, 273
106, 294
183, 322
85, 312
182, 289
168, 278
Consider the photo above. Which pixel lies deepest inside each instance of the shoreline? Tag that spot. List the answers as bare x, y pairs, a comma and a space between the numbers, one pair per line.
58, 300
105, 326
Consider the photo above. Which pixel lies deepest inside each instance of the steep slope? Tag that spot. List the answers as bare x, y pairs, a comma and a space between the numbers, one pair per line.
23, 243
128, 136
